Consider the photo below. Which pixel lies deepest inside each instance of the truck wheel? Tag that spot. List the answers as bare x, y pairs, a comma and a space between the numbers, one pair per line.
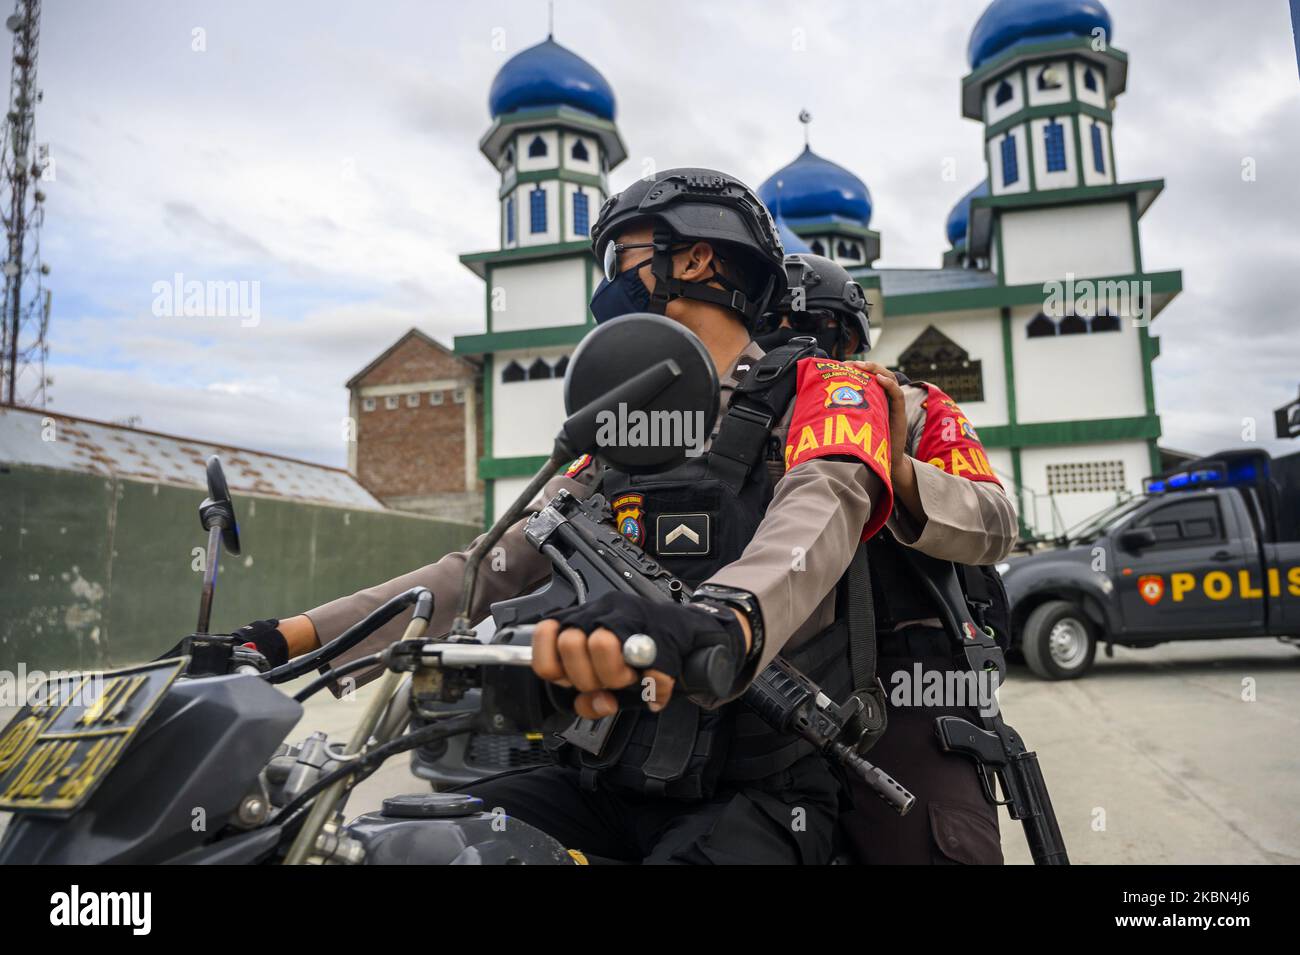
1057, 641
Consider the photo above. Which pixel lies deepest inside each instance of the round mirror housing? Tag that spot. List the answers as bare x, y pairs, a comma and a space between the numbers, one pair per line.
646, 390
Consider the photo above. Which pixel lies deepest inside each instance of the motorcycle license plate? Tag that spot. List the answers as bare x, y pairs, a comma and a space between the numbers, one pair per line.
61, 746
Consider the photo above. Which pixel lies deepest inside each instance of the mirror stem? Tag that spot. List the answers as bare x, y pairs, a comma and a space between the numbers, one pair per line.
560, 454
209, 578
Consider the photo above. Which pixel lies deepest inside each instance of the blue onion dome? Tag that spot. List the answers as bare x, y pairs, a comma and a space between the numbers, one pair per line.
959, 218
815, 188
1008, 23
549, 75
790, 240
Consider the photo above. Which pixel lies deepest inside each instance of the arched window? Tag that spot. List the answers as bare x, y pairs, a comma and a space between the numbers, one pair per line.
1105, 322
1003, 94
817, 248
1040, 327
1048, 79
510, 219
537, 148
561, 366
1054, 144
537, 210
581, 213
1010, 165
513, 372
510, 155
579, 151
847, 250
1098, 154
539, 369
1073, 325
1090, 80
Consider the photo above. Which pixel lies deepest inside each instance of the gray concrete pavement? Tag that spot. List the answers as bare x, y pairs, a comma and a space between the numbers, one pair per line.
1157, 756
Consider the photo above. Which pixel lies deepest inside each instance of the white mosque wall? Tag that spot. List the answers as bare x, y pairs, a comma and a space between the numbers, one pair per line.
1091, 177
523, 143
1057, 94
504, 492
524, 234
1061, 179
1073, 507
525, 414
1091, 240
1076, 377
539, 294
979, 333
1095, 97
1021, 184
992, 111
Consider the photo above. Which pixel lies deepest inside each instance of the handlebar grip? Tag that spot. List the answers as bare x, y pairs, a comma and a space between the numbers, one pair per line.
708, 672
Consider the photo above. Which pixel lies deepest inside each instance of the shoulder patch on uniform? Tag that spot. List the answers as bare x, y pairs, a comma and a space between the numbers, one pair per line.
577, 466
949, 440
838, 411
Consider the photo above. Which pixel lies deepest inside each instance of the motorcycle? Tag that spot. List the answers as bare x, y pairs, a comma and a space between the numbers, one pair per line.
184, 760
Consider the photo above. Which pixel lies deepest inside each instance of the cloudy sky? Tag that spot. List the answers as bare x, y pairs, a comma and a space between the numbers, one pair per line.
327, 151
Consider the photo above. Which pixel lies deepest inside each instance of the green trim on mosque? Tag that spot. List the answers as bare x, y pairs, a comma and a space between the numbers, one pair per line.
523, 466
1086, 431
522, 338
1113, 62
550, 175
1049, 111
479, 262
999, 296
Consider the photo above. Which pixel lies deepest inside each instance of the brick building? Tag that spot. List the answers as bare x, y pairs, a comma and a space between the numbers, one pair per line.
419, 429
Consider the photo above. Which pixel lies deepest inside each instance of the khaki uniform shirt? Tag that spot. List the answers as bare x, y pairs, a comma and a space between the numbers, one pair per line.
799, 552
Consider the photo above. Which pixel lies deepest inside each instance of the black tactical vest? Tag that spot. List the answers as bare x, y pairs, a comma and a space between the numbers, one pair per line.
696, 519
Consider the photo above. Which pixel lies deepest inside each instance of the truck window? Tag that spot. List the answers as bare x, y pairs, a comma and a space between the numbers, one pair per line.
1185, 522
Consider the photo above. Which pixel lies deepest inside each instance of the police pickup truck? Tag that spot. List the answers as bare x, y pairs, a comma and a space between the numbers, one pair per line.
1210, 550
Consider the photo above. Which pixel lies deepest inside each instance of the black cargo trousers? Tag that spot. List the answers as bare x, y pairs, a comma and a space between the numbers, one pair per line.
787, 818
951, 823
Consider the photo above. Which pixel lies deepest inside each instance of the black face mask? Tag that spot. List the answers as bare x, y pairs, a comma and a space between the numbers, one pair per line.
828, 339
623, 296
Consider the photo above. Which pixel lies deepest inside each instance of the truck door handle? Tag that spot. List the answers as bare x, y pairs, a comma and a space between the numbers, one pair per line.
1221, 555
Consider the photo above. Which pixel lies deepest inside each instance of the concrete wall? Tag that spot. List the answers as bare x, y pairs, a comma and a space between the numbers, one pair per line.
98, 572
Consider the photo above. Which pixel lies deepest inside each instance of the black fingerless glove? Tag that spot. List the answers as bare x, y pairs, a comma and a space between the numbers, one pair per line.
677, 629
262, 634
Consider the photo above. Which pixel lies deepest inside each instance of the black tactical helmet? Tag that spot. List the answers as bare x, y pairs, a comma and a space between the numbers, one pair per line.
816, 284
704, 205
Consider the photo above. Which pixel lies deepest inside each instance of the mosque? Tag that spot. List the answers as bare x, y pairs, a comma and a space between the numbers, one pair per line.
1045, 247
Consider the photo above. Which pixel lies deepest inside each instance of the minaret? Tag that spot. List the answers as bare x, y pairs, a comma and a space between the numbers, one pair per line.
1043, 82
553, 140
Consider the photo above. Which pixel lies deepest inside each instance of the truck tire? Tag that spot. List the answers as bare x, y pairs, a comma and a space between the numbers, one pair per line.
1057, 641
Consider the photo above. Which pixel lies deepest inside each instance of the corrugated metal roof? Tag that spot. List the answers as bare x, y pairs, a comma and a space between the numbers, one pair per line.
95, 447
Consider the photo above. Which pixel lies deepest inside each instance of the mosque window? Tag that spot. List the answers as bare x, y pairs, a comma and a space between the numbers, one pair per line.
1049, 79
936, 358
1040, 327
1105, 322
510, 155
579, 151
1090, 80
581, 215
817, 248
561, 366
1073, 325
1010, 165
848, 250
537, 148
1003, 94
537, 210
539, 369
513, 372
1085, 477
510, 219
1098, 154
1054, 143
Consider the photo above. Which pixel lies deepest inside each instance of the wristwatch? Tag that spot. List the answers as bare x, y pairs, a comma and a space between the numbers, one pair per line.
743, 601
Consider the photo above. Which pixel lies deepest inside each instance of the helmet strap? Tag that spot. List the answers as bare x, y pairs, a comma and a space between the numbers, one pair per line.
668, 288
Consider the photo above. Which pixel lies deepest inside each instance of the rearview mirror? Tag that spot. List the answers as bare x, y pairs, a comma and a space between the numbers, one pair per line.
1135, 539
642, 393
218, 510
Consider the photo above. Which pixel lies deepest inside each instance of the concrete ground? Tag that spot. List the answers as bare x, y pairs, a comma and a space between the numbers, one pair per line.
1158, 756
